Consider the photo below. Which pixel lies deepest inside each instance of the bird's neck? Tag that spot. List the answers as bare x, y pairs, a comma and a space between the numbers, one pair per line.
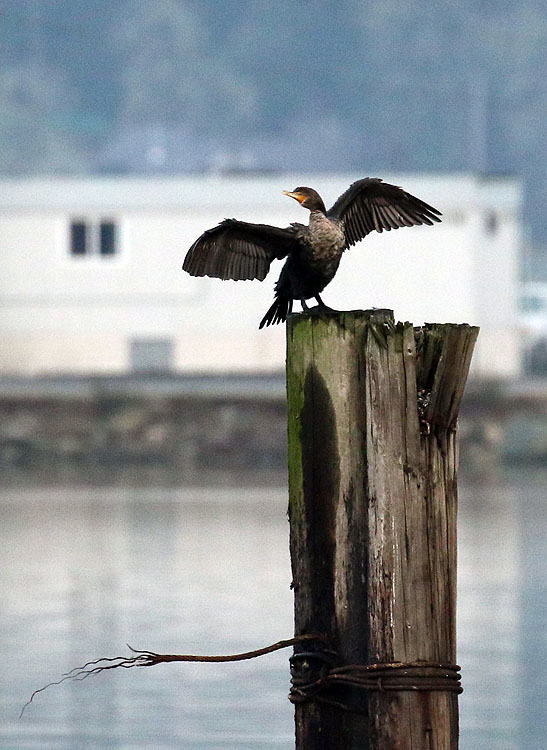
316, 205
316, 216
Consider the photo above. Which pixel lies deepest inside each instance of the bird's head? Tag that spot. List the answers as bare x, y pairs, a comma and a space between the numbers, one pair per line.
307, 197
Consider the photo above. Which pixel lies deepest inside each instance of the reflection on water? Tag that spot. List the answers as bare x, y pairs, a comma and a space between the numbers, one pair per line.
502, 613
84, 571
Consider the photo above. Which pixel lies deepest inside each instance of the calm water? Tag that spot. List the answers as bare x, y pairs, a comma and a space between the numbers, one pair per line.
85, 571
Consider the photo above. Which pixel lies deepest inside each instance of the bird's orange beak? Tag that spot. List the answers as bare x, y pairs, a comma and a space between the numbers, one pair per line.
297, 196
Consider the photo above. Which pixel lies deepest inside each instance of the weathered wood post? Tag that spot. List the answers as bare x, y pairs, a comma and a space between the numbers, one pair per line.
373, 499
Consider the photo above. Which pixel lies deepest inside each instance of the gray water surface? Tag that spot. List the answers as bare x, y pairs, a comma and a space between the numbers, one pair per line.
84, 571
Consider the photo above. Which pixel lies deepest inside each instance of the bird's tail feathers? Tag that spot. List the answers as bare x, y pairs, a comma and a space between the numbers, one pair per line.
277, 313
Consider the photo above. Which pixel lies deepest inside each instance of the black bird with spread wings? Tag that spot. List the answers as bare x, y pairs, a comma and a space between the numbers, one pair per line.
240, 250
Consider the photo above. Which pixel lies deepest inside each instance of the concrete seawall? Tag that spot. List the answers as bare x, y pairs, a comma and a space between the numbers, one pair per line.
219, 421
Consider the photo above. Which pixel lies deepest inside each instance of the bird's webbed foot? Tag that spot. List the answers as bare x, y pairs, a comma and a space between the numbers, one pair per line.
321, 305
318, 309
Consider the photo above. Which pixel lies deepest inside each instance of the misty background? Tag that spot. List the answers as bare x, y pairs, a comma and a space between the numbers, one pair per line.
176, 86
150, 507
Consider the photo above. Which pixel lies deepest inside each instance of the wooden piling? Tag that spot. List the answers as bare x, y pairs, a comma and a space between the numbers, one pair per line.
373, 499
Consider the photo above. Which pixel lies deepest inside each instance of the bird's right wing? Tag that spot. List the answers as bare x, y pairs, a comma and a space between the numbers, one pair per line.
238, 250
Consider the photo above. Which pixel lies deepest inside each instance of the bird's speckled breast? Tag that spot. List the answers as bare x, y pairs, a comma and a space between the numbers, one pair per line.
327, 238
321, 245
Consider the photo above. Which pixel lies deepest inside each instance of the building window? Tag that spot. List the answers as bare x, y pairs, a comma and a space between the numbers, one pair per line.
107, 245
94, 238
78, 238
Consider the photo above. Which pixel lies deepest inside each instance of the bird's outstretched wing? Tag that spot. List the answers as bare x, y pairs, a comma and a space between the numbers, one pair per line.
371, 204
238, 250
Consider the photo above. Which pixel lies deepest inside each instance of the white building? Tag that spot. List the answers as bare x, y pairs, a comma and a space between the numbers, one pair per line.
91, 277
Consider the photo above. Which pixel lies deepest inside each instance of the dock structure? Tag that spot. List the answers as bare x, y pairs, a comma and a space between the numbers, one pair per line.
372, 418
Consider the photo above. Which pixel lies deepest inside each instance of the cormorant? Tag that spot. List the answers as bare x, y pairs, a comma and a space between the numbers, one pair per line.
240, 250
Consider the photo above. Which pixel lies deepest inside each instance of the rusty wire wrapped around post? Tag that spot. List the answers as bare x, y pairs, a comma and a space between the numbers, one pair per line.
416, 676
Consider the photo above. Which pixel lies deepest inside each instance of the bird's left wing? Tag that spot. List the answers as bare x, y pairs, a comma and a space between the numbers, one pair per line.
238, 250
371, 204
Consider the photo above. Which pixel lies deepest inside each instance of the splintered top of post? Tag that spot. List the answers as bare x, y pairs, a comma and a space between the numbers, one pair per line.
444, 354
438, 353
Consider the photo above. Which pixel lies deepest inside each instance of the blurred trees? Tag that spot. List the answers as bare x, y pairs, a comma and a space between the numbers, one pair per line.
171, 72
36, 109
